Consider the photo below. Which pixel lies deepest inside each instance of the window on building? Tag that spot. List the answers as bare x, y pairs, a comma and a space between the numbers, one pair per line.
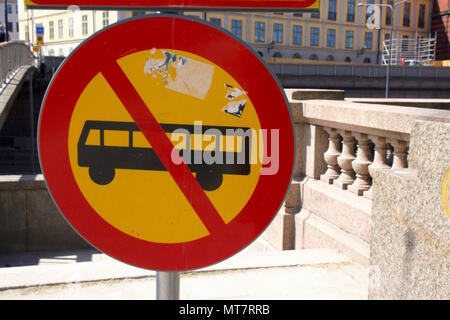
368, 36
348, 59
330, 58
105, 18
84, 24
389, 13
331, 38
351, 10
369, 12
260, 31
367, 60
9, 27
313, 57
17, 26
405, 41
9, 9
332, 9
236, 28
60, 28
61, 52
298, 14
297, 34
277, 55
277, 33
51, 30
314, 37
315, 14
406, 14
422, 16
51, 52
349, 37
216, 21
71, 27
17, 9
296, 56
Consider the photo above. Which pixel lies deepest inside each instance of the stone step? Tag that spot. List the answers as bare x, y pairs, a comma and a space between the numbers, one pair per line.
313, 231
342, 208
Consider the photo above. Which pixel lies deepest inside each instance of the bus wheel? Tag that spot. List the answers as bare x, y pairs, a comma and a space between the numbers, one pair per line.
101, 175
209, 180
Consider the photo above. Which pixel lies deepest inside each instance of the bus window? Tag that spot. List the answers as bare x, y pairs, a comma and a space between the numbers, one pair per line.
209, 142
139, 141
232, 144
116, 138
179, 140
93, 138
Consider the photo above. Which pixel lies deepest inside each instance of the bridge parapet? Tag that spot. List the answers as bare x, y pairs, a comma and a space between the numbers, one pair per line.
369, 71
340, 146
13, 55
344, 195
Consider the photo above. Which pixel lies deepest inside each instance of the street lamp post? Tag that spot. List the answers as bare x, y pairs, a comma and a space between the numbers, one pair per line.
388, 71
6, 20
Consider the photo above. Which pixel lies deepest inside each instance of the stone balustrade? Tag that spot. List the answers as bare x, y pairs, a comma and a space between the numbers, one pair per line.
360, 139
352, 158
340, 147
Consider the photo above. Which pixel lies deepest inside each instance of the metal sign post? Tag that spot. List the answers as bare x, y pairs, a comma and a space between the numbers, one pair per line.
167, 285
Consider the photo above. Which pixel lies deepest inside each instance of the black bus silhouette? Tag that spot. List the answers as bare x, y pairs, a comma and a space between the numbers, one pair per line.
102, 159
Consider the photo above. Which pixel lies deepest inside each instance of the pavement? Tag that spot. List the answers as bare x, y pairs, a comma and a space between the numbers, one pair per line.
258, 272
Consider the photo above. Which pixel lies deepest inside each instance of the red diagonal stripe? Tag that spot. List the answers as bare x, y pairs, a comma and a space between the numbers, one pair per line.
162, 146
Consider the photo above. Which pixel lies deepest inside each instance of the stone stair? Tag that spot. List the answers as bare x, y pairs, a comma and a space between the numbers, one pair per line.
333, 218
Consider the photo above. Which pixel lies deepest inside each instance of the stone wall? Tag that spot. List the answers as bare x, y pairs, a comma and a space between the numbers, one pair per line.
410, 241
29, 220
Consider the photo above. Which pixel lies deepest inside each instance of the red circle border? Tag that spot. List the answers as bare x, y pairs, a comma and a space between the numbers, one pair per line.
169, 32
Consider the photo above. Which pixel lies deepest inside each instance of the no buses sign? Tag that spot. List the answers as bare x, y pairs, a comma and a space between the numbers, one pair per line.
169, 151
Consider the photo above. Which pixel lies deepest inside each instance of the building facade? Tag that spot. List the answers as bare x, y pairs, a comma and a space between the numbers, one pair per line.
336, 32
12, 10
63, 29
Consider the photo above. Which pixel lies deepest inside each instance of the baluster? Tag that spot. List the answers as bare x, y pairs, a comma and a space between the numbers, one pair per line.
379, 160
400, 147
361, 165
345, 160
330, 156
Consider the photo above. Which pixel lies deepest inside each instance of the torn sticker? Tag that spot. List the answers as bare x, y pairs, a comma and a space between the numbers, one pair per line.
180, 74
235, 108
233, 92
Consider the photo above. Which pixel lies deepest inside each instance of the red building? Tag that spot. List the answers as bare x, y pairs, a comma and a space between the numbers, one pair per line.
440, 25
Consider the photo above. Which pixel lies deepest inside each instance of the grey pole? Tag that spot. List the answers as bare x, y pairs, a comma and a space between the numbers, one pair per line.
30, 95
388, 73
167, 285
6, 20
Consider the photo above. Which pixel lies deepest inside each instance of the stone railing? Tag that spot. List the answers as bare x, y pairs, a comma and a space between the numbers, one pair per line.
340, 148
349, 161
13, 55
361, 138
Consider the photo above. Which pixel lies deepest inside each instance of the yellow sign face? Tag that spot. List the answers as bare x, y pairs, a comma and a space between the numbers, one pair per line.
181, 89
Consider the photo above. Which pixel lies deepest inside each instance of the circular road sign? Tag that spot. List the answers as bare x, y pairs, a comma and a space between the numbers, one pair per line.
166, 143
